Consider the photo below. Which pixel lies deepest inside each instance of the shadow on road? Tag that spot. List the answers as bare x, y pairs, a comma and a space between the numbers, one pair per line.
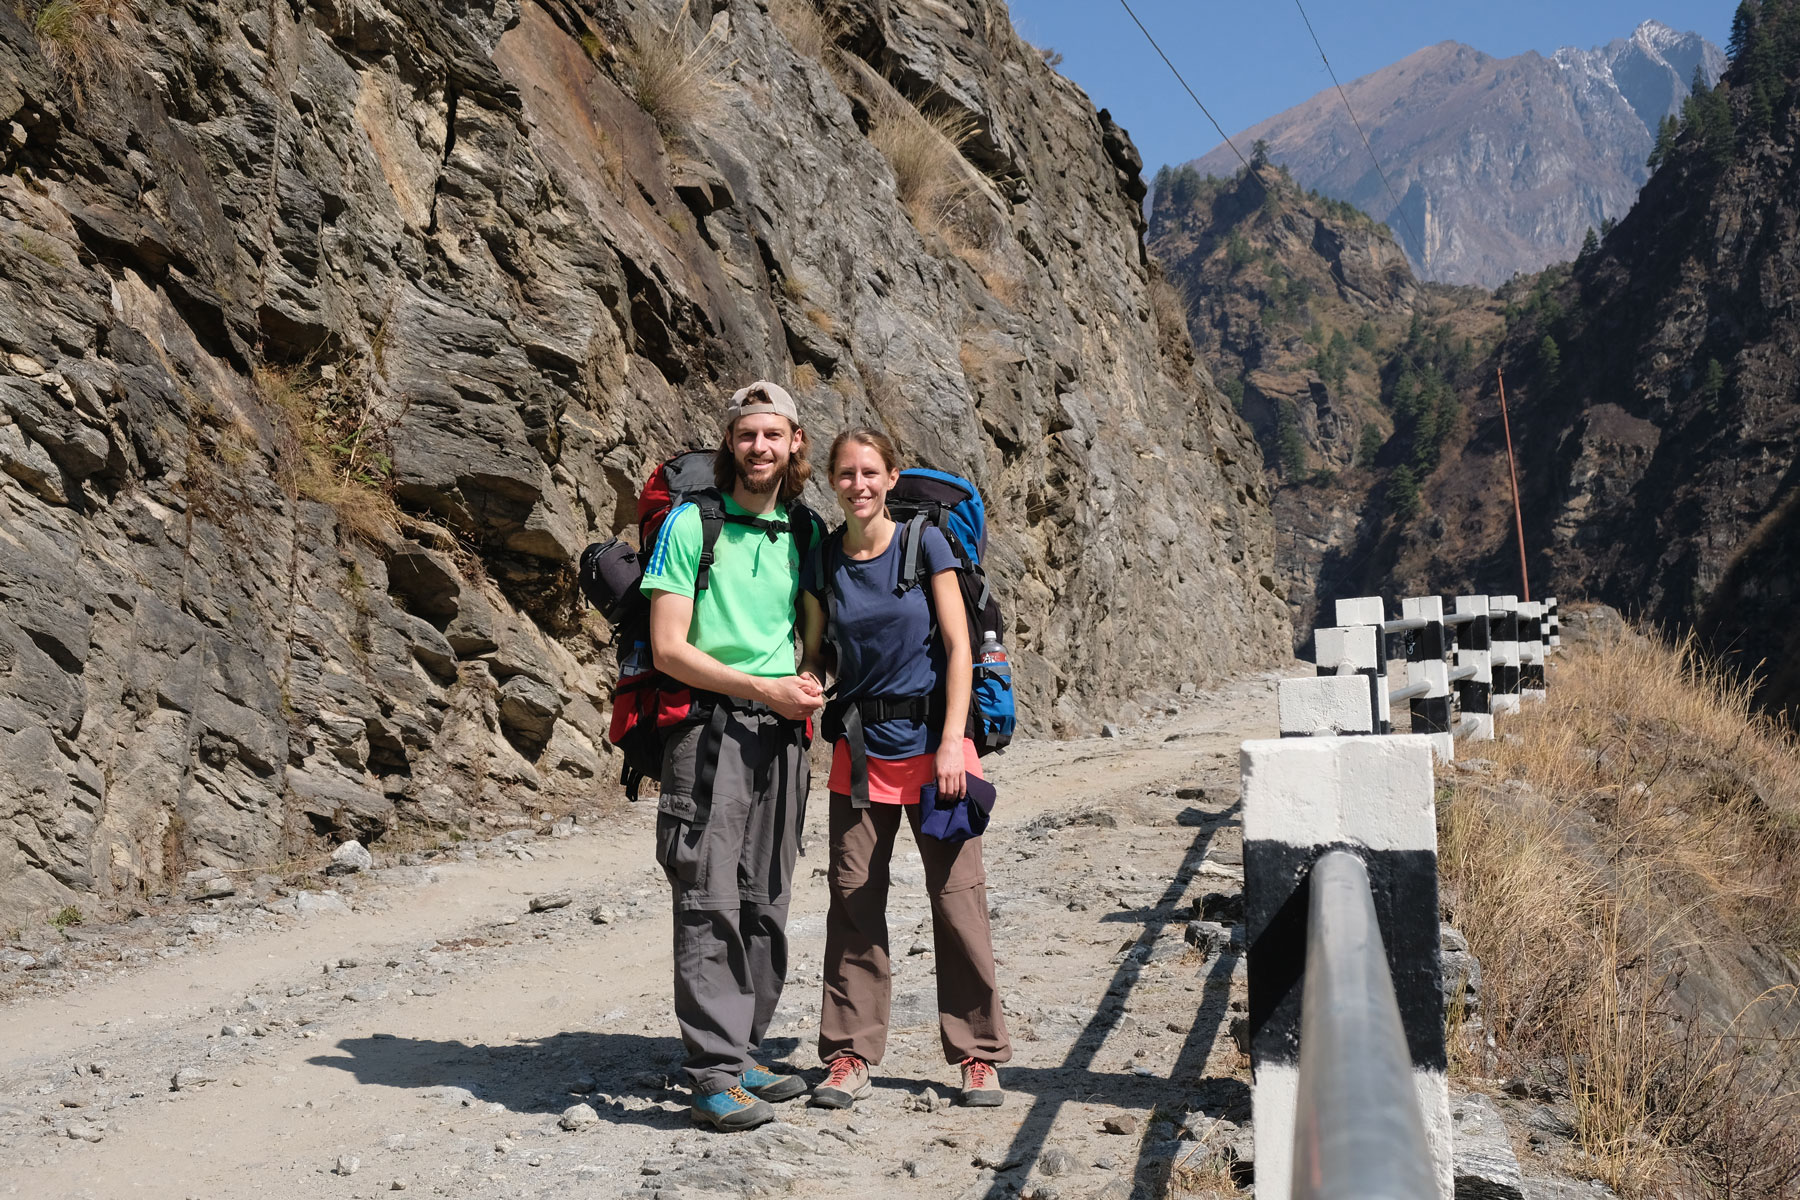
634, 1072
1215, 1097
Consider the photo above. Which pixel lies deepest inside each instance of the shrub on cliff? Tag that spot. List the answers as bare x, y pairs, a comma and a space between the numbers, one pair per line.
334, 447
77, 36
676, 83
925, 151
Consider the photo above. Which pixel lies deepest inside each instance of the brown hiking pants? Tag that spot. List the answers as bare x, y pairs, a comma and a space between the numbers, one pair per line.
858, 985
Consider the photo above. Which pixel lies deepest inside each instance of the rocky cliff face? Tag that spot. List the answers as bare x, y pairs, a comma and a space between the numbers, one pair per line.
329, 332
1500, 165
1308, 315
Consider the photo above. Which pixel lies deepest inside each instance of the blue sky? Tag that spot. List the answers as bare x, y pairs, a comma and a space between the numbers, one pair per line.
1249, 59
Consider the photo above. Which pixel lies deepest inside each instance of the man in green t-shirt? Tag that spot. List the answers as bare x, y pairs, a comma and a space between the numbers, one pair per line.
735, 777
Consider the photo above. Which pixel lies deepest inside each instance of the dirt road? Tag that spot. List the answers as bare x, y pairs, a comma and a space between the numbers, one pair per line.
418, 1029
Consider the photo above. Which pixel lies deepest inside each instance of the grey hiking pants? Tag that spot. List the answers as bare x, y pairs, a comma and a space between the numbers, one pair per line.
731, 879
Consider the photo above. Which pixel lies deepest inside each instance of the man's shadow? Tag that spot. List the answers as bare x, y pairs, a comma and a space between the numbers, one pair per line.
635, 1075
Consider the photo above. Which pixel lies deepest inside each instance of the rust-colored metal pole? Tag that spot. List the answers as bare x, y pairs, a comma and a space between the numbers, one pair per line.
1512, 470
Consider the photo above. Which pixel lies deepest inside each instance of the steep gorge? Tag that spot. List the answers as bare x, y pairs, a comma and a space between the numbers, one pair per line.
1656, 387
328, 333
1346, 367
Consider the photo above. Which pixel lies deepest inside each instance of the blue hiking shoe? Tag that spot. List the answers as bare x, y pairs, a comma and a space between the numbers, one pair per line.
730, 1110
765, 1084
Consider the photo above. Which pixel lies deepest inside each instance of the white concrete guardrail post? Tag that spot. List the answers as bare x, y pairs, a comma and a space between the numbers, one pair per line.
1425, 653
1342, 698
1475, 694
1503, 623
1531, 650
1303, 797
1369, 610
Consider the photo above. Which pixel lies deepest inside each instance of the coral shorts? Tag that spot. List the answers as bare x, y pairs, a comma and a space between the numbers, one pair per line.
896, 780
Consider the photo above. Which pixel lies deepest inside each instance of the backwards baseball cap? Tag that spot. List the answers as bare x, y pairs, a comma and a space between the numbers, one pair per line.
761, 397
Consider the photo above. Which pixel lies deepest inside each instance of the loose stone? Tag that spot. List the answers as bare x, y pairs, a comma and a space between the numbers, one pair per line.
578, 1116
349, 859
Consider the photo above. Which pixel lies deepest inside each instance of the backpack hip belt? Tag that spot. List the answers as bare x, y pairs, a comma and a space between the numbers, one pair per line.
714, 709
846, 718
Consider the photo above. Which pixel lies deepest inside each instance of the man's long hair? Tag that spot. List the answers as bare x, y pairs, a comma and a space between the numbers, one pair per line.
793, 480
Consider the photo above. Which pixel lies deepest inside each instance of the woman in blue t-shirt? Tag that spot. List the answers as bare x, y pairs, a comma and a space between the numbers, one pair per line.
909, 679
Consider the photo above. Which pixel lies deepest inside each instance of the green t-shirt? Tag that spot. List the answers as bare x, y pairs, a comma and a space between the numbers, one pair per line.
745, 617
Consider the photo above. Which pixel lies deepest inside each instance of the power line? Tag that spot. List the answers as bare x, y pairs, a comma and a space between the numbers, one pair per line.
1184, 84
1417, 240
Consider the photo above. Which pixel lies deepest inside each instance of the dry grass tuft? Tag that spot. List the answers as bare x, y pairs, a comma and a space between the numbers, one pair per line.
996, 276
811, 27
680, 85
1197, 1177
335, 447
1168, 307
1641, 844
925, 151
44, 249
78, 36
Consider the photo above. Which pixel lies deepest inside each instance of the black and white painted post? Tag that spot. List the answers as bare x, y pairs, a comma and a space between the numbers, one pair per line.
1371, 612
1426, 668
1344, 697
1503, 622
1552, 625
1473, 655
1303, 797
1531, 650
1325, 705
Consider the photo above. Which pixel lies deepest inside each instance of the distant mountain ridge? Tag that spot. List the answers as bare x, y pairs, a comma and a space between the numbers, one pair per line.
1501, 165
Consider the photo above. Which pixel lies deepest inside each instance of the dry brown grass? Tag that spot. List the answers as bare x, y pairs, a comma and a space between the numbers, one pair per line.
79, 37
998, 278
811, 27
334, 447
1168, 308
71, 30
1201, 1176
680, 83
972, 359
1644, 828
925, 151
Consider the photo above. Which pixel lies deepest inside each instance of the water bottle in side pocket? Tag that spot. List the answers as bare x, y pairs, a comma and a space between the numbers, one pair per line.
992, 697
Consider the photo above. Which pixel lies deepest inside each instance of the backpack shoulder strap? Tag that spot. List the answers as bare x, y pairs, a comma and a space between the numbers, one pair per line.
712, 523
831, 546
800, 516
912, 553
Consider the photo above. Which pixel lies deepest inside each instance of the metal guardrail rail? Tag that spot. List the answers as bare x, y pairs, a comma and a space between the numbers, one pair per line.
1359, 1133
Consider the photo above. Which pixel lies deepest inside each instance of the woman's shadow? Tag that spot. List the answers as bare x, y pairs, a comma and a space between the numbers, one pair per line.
628, 1078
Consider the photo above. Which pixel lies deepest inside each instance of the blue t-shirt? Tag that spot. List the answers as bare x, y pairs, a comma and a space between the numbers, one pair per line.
885, 642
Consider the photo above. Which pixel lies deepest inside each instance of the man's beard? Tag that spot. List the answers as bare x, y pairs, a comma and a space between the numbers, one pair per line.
763, 487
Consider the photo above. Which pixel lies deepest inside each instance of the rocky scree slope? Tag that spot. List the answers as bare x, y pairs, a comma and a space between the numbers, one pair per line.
1501, 164
1657, 394
1308, 315
330, 331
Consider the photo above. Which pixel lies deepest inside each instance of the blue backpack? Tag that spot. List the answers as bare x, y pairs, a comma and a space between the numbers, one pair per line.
950, 502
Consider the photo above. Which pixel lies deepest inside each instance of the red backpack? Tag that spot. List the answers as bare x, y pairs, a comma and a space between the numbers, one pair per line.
648, 704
